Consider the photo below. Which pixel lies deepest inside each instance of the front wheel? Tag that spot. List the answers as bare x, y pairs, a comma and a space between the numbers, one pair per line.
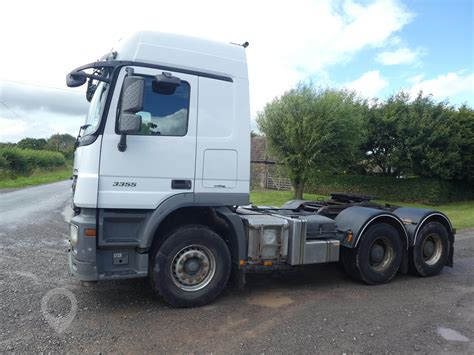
431, 250
378, 256
191, 267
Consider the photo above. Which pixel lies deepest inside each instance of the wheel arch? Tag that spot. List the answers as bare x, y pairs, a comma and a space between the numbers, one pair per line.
416, 218
435, 217
171, 214
391, 220
358, 219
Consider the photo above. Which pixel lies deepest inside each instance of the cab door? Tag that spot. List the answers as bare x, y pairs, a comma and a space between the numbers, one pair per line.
159, 160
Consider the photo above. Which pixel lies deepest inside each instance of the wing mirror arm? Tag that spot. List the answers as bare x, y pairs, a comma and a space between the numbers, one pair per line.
122, 145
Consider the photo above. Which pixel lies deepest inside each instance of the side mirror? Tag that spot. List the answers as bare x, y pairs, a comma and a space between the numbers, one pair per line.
129, 123
132, 94
74, 80
132, 102
165, 84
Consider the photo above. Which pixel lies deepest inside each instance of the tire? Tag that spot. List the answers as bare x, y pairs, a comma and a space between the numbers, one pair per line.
378, 256
431, 251
191, 267
348, 262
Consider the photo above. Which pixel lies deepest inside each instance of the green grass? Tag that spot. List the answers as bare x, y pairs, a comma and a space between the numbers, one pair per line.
461, 214
277, 198
37, 178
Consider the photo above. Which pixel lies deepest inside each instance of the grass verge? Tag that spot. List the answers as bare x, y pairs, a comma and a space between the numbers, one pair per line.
461, 214
37, 178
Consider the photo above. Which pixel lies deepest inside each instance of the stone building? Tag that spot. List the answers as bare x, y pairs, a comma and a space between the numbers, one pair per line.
263, 168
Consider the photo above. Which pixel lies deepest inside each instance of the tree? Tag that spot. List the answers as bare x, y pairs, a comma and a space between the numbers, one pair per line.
60, 142
63, 143
414, 137
464, 119
312, 129
385, 124
32, 143
432, 138
7, 145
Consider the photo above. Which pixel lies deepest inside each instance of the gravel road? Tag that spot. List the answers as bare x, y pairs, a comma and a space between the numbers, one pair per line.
318, 309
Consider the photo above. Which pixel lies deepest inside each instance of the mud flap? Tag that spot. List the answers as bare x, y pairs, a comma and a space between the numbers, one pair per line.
450, 260
237, 278
404, 265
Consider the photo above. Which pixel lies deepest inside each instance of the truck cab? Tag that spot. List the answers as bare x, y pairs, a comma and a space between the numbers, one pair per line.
161, 183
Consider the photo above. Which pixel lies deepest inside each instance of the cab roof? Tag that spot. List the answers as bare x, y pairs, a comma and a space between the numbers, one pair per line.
184, 52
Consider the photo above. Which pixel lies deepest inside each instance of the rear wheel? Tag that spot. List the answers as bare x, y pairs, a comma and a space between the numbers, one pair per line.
191, 267
377, 258
431, 250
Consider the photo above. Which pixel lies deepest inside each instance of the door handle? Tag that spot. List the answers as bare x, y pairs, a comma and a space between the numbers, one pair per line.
181, 184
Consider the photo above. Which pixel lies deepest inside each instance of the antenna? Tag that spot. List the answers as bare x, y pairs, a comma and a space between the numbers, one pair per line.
245, 44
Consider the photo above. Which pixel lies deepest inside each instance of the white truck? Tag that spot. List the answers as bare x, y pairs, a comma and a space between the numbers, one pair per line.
161, 184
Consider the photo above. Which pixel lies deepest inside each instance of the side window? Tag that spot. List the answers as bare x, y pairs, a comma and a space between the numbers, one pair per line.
165, 115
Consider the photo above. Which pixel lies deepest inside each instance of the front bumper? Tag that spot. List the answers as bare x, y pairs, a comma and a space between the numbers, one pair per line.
83, 255
83, 270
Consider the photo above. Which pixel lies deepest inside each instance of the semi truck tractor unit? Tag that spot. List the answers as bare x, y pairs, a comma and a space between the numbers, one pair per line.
161, 184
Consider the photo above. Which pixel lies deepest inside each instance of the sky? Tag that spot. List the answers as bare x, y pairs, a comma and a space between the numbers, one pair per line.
375, 47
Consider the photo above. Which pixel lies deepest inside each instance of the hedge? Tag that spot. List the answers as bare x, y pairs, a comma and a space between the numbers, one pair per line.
17, 161
424, 190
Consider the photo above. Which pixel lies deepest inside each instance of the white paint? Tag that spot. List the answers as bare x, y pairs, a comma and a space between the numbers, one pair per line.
223, 125
86, 164
220, 168
152, 162
184, 52
451, 334
215, 152
59, 323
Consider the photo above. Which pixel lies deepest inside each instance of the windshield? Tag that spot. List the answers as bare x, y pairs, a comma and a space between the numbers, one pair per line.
96, 108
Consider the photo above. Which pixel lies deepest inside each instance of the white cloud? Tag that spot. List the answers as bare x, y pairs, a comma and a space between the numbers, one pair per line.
394, 41
370, 25
11, 128
415, 79
369, 84
400, 56
445, 85
36, 124
288, 41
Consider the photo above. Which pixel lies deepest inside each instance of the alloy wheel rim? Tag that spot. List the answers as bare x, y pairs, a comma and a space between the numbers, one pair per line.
193, 268
381, 254
431, 249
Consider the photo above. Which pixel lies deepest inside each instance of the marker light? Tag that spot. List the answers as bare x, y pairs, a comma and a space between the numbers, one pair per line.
90, 232
350, 235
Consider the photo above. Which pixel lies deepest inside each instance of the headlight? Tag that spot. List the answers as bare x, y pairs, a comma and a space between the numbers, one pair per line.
269, 236
74, 234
